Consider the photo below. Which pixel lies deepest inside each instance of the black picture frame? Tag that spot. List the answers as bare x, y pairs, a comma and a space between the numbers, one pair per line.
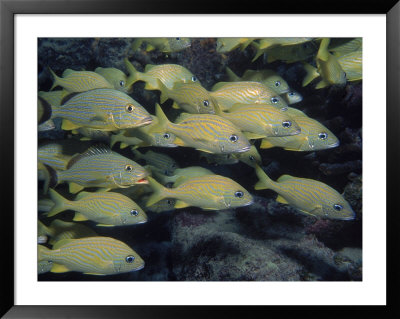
8, 10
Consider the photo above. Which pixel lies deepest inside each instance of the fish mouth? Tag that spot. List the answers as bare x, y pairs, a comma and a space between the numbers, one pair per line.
249, 203
142, 222
333, 145
142, 181
139, 267
244, 149
146, 121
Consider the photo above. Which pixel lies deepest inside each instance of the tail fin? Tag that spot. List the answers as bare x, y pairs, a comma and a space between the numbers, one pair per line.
134, 75
59, 203
56, 79
164, 91
311, 74
163, 121
114, 139
258, 52
136, 44
323, 53
264, 181
159, 192
231, 75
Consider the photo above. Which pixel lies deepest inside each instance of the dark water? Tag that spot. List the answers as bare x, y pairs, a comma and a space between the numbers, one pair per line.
264, 241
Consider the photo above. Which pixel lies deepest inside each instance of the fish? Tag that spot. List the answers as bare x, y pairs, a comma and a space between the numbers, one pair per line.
351, 64
166, 45
313, 136
247, 92
251, 157
168, 74
210, 192
79, 81
161, 161
116, 77
180, 174
261, 120
92, 255
45, 205
164, 205
267, 77
92, 134
191, 97
345, 48
293, 97
124, 139
328, 68
105, 208
44, 175
225, 45
53, 97
105, 109
46, 126
43, 231
308, 196
59, 229
101, 167
51, 154
205, 132
288, 50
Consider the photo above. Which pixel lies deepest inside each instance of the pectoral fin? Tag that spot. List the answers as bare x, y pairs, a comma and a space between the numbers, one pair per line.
79, 217
181, 204
68, 125
280, 199
58, 268
75, 188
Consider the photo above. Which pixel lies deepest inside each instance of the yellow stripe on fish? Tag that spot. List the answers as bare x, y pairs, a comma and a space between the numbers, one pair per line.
191, 97
80, 81
205, 132
211, 192
347, 47
307, 195
351, 64
101, 167
313, 136
229, 93
161, 161
168, 74
105, 208
104, 109
92, 255
262, 120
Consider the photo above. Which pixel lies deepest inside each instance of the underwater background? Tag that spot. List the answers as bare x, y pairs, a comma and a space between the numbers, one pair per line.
265, 241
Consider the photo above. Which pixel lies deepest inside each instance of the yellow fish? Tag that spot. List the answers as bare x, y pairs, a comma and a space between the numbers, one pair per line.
251, 157
125, 139
91, 255
261, 120
168, 74
313, 136
164, 205
101, 167
328, 68
104, 109
309, 196
293, 97
225, 45
267, 77
288, 50
180, 174
161, 161
44, 175
105, 208
191, 97
347, 47
91, 134
205, 132
116, 77
229, 93
51, 154
211, 192
166, 45
351, 64
80, 81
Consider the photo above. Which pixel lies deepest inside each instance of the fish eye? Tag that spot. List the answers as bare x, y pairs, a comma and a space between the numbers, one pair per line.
338, 207
134, 212
292, 93
169, 202
233, 138
206, 103
177, 39
251, 157
239, 194
129, 108
122, 83
194, 79
277, 83
323, 136
129, 259
274, 100
286, 124
166, 136
128, 168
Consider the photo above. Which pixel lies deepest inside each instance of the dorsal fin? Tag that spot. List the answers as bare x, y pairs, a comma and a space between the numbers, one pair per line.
61, 243
91, 151
67, 72
68, 97
218, 86
295, 112
284, 178
182, 117
82, 195
148, 67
